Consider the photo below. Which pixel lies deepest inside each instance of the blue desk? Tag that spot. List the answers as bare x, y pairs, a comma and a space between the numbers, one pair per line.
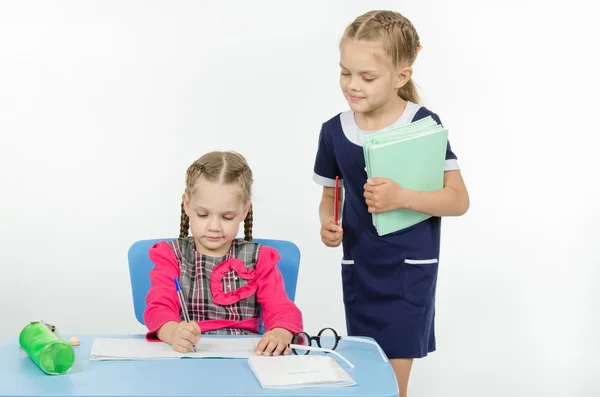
19, 376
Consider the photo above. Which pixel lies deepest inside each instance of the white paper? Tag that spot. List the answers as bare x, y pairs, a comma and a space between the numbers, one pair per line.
290, 372
140, 349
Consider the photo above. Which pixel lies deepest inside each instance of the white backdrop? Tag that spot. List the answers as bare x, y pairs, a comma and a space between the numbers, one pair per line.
103, 105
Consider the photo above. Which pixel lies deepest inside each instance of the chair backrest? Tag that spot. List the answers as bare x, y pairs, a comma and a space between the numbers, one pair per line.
140, 266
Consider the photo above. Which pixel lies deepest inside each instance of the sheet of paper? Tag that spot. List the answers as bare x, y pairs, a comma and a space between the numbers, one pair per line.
292, 372
140, 349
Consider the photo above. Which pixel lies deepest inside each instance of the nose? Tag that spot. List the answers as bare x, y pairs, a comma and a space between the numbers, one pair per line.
214, 224
354, 84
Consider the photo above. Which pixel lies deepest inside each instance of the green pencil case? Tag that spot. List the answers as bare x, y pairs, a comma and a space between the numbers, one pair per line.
44, 345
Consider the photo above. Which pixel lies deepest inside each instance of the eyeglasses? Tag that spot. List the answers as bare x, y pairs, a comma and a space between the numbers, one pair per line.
327, 341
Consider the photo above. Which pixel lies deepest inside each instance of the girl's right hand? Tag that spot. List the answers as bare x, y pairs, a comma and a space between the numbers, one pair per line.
185, 336
331, 234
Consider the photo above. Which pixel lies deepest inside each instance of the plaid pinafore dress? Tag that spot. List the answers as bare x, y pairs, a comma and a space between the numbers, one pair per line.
219, 288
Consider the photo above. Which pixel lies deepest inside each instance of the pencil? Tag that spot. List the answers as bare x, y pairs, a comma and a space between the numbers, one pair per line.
337, 200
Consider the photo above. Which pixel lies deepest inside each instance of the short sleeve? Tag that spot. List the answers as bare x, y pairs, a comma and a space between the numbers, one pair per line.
326, 167
451, 163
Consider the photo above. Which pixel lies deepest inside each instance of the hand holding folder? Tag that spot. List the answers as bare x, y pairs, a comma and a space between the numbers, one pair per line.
413, 156
383, 195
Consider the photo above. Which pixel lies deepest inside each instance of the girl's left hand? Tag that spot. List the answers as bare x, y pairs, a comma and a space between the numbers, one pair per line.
383, 195
275, 342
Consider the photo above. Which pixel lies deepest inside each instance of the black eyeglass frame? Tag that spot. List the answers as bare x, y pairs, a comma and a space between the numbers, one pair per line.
317, 339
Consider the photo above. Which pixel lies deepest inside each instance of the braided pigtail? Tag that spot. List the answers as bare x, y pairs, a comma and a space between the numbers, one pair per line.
248, 225
184, 225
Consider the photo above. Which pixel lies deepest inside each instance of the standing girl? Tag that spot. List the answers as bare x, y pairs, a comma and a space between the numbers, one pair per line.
389, 282
227, 283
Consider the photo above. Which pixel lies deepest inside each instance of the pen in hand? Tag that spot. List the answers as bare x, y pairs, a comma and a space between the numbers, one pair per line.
186, 315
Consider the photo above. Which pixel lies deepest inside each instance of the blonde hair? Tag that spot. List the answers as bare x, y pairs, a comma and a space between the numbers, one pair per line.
397, 35
223, 167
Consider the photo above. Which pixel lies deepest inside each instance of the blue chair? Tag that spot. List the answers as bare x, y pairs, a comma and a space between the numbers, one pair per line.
140, 266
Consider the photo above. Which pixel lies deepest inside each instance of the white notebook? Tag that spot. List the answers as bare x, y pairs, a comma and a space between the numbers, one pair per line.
288, 372
140, 349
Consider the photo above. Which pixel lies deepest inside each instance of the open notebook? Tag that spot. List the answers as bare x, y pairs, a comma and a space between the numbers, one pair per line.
291, 372
140, 349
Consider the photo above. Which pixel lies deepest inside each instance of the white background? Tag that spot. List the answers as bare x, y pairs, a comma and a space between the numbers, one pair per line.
103, 105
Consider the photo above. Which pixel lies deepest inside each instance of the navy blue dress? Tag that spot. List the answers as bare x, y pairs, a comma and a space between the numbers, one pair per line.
389, 282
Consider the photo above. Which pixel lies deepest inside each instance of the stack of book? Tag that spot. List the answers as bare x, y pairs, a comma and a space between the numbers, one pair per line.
413, 156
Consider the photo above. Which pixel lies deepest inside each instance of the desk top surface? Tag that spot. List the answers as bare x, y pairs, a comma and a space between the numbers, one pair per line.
19, 376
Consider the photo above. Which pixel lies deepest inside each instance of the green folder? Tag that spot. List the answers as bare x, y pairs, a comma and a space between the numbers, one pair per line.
413, 156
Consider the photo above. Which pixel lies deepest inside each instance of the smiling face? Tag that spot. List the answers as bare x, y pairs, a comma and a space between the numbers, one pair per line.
369, 79
215, 211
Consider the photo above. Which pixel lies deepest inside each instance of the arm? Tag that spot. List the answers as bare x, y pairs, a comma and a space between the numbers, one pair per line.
383, 195
278, 310
162, 311
325, 172
451, 200
326, 207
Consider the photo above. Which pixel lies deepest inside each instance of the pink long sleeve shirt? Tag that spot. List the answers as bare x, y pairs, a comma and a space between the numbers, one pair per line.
207, 285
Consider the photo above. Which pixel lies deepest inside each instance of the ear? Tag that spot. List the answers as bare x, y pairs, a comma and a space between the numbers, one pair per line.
403, 74
186, 204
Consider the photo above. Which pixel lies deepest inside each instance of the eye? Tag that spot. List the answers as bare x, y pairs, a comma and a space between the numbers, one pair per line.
228, 218
344, 73
368, 79
202, 215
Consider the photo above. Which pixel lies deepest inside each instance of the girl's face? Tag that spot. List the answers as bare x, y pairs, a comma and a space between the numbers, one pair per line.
369, 79
215, 211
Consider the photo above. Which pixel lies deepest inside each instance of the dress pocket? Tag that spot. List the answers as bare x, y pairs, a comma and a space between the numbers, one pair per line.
348, 281
420, 278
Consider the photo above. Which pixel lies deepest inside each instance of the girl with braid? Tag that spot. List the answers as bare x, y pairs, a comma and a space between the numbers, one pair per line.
389, 282
227, 283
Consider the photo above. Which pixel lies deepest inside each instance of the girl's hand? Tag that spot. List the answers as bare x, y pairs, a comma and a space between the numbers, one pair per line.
275, 342
185, 336
383, 195
331, 234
